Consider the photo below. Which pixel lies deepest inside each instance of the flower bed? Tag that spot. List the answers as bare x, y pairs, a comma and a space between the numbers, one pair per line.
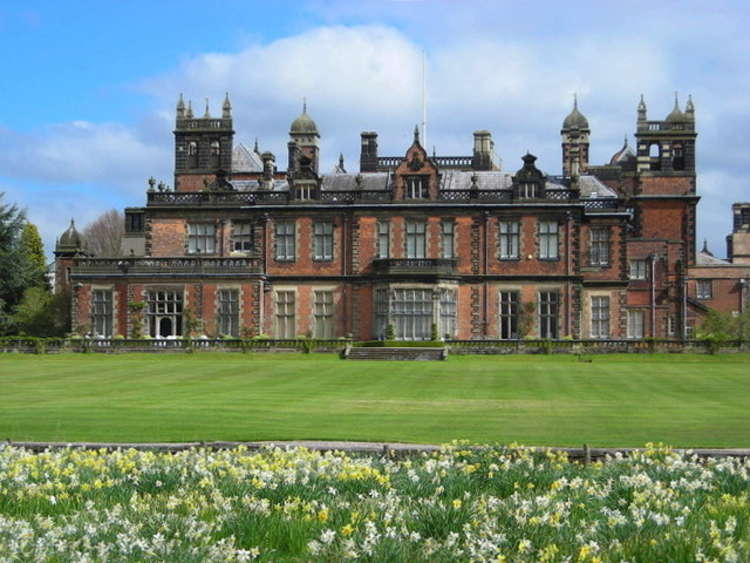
500, 504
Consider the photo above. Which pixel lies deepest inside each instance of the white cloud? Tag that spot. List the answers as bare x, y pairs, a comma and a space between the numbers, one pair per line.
517, 82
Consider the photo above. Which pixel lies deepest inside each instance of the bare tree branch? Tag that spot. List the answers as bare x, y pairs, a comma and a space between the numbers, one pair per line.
103, 236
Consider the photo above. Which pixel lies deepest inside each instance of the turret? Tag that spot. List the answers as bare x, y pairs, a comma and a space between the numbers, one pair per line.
304, 134
575, 142
668, 146
203, 146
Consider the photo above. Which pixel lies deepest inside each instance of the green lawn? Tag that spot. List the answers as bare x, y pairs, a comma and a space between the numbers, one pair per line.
624, 400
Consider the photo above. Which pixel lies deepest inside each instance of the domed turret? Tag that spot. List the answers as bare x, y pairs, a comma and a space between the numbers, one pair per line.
623, 155
70, 239
303, 124
575, 119
575, 142
303, 142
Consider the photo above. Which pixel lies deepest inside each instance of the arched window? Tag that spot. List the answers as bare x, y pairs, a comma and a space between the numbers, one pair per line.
192, 154
215, 153
654, 153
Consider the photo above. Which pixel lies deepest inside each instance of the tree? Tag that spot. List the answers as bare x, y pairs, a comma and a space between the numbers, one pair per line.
40, 313
103, 235
33, 250
13, 269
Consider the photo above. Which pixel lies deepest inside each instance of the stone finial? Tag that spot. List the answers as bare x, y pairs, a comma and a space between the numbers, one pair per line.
151, 183
341, 162
226, 108
416, 133
180, 107
256, 150
690, 108
189, 112
642, 109
207, 115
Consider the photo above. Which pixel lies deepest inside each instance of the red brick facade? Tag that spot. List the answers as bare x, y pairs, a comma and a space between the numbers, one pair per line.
416, 243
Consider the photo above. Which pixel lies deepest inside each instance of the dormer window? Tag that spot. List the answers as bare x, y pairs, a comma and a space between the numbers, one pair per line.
528, 190
528, 182
304, 191
416, 187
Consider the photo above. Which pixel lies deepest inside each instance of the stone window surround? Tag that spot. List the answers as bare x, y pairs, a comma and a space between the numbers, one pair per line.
276, 291
115, 308
560, 235
436, 289
240, 301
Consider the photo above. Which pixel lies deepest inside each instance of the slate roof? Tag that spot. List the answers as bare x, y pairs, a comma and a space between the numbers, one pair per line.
708, 259
245, 160
252, 185
486, 180
590, 186
344, 182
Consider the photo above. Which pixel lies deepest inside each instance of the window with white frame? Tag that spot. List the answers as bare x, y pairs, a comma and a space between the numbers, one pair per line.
242, 237
384, 239
201, 238
164, 313
416, 240
411, 311
101, 312
416, 187
599, 317
704, 289
508, 315
548, 312
285, 318
548, 240
638, 270
509, 240
285, 241
381, 312
599, 246
323, 240
447, 328
448, 228
635, 324
228, 316
323, 310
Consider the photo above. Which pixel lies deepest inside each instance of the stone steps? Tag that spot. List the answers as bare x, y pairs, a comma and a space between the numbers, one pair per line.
393, 354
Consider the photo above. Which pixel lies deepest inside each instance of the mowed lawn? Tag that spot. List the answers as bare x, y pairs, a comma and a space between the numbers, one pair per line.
623, 400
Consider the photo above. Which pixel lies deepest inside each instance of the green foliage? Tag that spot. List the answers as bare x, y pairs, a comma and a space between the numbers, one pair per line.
719, 328
136, 318
33, 250
13, 264
526, 319
191, 324
41, 313
434, 332
390, 332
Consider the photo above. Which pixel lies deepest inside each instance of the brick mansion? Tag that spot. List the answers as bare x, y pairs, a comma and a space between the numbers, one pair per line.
413, 244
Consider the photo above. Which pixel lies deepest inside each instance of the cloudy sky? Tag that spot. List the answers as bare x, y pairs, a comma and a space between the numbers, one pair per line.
89, 88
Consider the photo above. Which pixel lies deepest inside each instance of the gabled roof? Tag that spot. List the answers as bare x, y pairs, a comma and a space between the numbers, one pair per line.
245, 160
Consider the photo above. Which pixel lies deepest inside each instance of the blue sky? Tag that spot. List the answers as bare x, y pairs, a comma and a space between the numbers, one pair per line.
88, 88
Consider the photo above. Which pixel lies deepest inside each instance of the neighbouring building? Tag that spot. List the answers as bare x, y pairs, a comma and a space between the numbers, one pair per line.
416, 242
